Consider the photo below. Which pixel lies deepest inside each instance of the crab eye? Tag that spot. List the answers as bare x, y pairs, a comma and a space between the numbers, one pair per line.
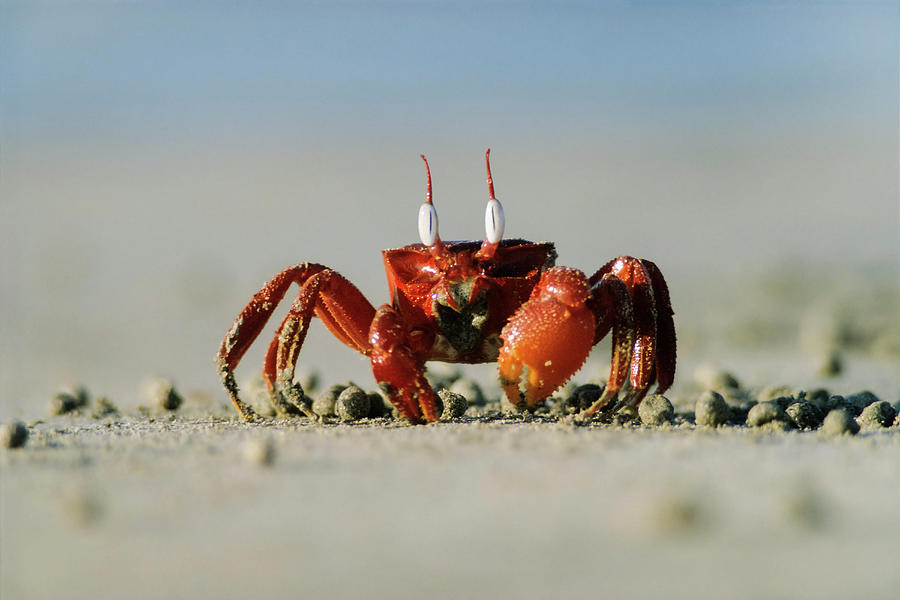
494, 221
428, 224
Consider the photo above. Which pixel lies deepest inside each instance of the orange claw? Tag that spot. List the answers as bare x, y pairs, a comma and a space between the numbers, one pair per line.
550, 335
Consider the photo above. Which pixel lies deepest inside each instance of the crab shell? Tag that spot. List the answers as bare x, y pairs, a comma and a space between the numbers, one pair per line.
457, 304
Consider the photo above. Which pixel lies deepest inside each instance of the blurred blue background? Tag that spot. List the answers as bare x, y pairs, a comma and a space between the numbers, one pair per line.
159, 161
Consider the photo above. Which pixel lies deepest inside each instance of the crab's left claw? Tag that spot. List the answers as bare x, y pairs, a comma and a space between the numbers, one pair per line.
550, 335
399, 369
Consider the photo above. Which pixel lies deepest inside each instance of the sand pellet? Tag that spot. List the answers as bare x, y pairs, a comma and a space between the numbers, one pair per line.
455, 405
352, 404
69, 401
656, 410
585, 395
804, 415
715, 379
377, 407
839, 422
877, 414
711, 410
324, 404
13, 435
830, 364
259, 452
764, 412
103, 407
160, 393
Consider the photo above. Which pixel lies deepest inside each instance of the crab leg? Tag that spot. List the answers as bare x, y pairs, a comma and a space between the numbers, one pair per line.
665, 329
550, 335
612, 307
643, 357
653, 355
343, 310
324, 293
398, 369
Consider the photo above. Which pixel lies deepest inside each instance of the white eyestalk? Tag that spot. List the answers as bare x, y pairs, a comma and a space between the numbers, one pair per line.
428, 224
428, 221
493, 221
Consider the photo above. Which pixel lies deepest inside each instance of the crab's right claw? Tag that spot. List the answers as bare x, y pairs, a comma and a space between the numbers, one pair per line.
550, 335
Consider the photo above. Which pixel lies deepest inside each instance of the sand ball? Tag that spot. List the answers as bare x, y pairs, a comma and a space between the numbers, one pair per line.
765, 412
839, 422
377, 407
160, 392
68, 401
455, 405
656, 410
259, 452
352, 404
13, 435
804, 415
877, 414
325, 402
711, 410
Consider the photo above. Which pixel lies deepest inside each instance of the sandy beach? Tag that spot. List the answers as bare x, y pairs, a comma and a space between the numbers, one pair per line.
154, 503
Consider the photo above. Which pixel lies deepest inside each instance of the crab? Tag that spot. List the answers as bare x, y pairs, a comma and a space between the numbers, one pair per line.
497, 300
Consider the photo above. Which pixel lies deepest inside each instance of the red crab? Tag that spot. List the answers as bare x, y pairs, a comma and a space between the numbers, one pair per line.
469, 302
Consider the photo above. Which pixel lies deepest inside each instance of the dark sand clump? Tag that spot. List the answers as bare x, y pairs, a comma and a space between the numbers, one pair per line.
453, 405
804, 415
69, 401
159, 393
13, 435
877, 414
352, 404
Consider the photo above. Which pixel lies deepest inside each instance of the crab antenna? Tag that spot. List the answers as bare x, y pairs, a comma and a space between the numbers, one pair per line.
428, 219
493, 217
428, 180
490, 181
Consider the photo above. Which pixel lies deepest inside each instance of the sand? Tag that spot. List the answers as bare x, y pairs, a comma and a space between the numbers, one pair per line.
182, 504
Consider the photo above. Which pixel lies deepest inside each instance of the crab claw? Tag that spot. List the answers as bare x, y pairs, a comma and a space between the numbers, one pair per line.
398, 369
550, 335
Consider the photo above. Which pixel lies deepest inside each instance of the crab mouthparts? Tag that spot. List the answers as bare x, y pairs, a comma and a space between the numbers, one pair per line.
459, 320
